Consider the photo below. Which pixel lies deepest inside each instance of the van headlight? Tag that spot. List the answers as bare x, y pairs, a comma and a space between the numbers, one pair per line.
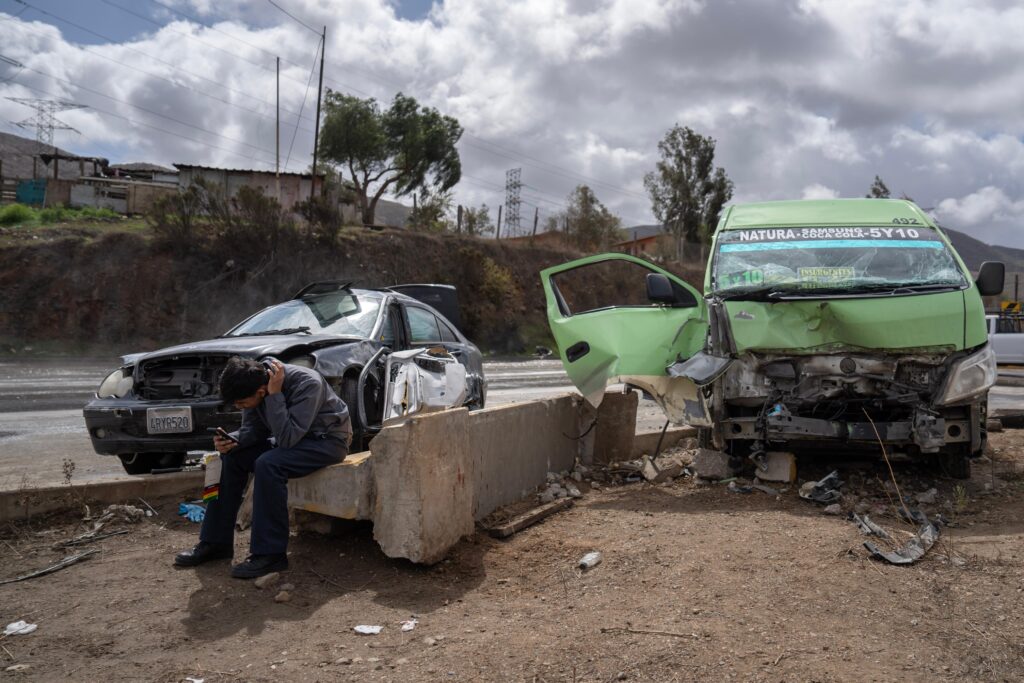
969, 377
117, 384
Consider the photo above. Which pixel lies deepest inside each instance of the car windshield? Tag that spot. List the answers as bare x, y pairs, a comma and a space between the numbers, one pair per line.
840, 260
341, 312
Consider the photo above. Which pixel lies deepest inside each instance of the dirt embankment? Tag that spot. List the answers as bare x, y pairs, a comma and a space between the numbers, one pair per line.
128, 292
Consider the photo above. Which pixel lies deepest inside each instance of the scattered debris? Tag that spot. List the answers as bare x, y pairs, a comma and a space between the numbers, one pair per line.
662, 470
709, 464
267, 580
283, 596
194, 513
764, 489
18, 667
88, 537
644, 631
915, 548
409, 625
19, 628
288, 587
869, 528
66, 562
777, 466
589, 561
529, 518
825, 491
125, 513
833, 509
928, 497
194, 679
150, 507
993, 424
734, 487
367, 630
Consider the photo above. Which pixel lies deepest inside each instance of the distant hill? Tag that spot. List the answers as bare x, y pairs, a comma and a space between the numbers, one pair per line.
974, 252
16, 154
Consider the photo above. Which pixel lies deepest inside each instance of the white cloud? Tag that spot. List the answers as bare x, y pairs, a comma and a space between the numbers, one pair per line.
805, 99
818, 191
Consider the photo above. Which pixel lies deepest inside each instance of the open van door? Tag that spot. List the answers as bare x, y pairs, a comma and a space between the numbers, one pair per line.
618, 318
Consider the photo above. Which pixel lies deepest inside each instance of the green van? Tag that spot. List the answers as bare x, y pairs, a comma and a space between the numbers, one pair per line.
831, 324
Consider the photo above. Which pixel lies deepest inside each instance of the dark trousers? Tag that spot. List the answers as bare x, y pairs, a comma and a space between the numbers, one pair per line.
272, 468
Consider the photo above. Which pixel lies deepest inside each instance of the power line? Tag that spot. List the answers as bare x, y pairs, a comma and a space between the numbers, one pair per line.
204, 143
296, 19
312, 70
161, 61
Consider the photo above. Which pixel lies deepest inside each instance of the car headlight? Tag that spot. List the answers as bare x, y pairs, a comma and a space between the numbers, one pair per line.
116, 384
303, 361
969, 377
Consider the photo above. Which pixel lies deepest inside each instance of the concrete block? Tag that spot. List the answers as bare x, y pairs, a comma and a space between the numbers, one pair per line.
781, 467
644, 443
616, 426
709, 464
514, 447
342, 490
423, 486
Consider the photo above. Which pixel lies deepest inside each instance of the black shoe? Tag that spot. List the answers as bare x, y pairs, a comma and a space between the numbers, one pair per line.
204, 552
259, 565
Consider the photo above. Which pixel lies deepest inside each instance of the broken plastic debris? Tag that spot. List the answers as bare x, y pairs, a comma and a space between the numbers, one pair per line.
409, 624
915, 548
367, 630
20, 628
589, 561
825, 491
869, 528
193, 679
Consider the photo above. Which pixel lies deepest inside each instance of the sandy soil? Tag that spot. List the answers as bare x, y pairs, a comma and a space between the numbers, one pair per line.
697, 584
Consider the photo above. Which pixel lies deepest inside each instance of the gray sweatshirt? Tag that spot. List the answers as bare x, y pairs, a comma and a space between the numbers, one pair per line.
306, 407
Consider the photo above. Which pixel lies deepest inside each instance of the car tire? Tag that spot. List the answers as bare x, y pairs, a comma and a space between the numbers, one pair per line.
144, 463
955, 464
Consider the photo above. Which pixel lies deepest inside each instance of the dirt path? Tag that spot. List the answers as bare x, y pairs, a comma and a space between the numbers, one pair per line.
697, 584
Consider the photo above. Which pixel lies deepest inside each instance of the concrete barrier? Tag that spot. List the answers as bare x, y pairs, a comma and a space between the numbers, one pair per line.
22, 503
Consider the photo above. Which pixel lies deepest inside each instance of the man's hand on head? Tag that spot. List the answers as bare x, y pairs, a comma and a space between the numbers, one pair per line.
276, 381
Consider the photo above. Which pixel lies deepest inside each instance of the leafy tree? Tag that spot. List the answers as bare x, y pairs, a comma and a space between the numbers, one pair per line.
687, 192
588, 223
477, 221
432, 211
879, 190
402, 149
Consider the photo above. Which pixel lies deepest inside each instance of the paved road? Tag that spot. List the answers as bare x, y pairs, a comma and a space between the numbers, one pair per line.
41, 421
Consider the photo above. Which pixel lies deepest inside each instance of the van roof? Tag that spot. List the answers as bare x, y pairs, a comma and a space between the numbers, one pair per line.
823, 212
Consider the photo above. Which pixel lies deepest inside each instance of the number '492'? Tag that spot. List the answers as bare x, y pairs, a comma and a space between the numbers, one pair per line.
905, 221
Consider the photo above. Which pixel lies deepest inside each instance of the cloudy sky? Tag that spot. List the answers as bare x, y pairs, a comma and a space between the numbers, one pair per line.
806, 98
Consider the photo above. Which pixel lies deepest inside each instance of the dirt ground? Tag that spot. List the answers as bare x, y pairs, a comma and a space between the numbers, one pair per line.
697, 583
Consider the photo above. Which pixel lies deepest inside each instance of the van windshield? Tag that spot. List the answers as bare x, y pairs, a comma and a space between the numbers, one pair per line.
840, 260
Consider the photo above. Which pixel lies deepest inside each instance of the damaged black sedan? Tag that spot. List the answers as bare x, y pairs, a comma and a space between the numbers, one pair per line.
387, 353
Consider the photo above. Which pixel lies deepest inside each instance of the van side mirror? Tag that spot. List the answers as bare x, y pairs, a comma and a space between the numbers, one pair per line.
659, 289
990, 278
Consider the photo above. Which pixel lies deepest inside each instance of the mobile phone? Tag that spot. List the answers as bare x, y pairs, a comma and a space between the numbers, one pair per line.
219, 431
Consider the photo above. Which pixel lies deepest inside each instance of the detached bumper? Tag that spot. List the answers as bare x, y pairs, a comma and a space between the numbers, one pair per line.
119, 426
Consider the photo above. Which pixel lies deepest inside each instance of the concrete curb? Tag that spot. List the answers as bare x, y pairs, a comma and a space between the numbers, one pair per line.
23, 503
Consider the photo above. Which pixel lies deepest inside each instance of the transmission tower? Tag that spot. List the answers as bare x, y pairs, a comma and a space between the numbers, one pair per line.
512, 188
45, 120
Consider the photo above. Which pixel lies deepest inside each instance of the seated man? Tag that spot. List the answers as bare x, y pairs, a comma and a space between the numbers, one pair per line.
292, 425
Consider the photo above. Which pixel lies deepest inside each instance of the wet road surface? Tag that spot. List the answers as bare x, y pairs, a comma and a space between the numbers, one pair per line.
41, 421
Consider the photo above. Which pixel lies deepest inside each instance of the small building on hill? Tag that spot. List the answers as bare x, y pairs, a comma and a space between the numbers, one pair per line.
295, 187
641, 240
140, 170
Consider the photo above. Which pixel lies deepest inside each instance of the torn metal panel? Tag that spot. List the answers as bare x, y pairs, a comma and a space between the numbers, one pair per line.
702, 368
825, 491
422, 381
682, 401
869, 528
911, 551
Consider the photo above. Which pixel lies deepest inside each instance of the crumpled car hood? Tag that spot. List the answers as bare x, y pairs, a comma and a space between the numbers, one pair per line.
929, 322
253, 347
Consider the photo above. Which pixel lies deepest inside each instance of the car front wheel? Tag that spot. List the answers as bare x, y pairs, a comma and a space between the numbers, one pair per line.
144, 463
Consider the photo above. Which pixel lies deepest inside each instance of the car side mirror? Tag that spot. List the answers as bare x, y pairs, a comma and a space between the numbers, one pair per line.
659, 289
990, 278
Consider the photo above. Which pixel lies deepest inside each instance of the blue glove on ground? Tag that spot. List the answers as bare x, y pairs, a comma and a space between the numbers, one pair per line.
194, 513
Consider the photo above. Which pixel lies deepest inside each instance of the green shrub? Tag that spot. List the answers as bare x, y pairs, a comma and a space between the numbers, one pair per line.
14, 214
97, 213
55, 214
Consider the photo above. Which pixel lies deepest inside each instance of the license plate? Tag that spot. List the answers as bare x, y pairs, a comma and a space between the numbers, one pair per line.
168, 420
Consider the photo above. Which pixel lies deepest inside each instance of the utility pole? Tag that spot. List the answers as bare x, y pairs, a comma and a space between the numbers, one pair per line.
497, 235
319, 93
277, 138
458, 224
536, 215
45, 122
513, 184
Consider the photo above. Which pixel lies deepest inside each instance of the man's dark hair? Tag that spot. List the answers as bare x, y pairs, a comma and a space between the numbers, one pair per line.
241, 378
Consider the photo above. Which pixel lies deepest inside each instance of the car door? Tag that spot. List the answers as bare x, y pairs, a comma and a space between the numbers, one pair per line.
607, 330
